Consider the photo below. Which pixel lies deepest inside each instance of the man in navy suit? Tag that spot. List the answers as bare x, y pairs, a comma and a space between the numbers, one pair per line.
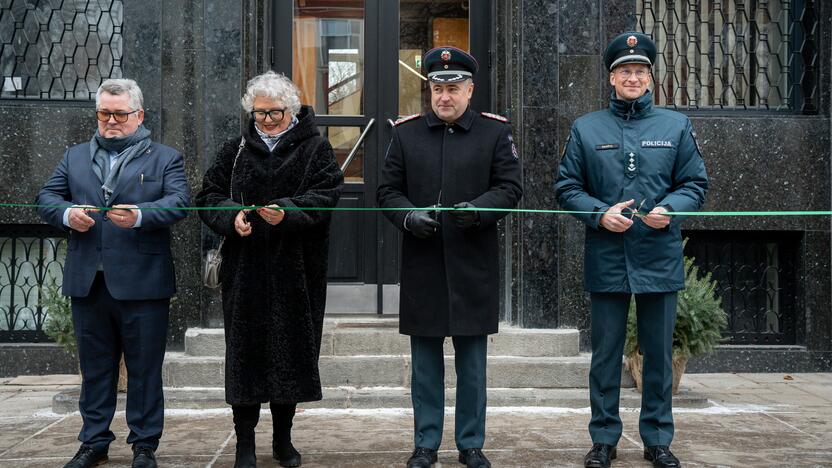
119, 268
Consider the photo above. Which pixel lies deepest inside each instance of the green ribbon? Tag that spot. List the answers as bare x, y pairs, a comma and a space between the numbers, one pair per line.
441, 208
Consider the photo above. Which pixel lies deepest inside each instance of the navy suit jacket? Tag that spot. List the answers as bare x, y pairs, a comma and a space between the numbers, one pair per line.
137, 262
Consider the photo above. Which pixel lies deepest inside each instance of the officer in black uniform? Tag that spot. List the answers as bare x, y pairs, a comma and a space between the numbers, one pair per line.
449, 157
626, 167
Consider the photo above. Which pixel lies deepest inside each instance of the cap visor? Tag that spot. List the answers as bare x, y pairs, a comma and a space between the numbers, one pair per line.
631, 59
448, 76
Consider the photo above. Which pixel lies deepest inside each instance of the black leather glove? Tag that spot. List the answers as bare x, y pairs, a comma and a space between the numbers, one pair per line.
421, 224
465, 219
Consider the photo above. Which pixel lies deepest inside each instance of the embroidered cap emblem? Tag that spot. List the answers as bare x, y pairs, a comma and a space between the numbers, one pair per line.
632, 41
445, 55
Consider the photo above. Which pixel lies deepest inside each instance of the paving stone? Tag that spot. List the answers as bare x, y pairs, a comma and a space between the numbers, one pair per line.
46, 380
790, 431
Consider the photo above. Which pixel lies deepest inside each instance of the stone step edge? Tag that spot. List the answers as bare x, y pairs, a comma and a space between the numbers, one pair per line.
580, 358
375, 340
196, 398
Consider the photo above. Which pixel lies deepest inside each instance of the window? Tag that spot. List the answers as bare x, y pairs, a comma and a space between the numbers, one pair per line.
756, 276
31, 262
328, 50
59, 50
733, 54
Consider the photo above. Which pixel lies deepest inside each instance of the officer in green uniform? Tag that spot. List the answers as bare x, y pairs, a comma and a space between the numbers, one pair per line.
626, 167
450, 157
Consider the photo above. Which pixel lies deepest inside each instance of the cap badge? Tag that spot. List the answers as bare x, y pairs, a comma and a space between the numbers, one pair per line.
445, 55
632, 41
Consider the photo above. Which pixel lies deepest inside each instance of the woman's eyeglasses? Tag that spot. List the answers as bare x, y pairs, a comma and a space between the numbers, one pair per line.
275, 114
121, 117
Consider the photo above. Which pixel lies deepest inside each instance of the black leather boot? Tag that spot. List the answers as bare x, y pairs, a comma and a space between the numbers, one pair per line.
282, 449
245, 420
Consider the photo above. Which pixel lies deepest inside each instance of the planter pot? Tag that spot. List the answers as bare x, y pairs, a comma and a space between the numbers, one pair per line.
635, 364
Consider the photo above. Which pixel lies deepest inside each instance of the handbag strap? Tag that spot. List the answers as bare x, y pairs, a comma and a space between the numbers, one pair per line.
233, 167
231, 182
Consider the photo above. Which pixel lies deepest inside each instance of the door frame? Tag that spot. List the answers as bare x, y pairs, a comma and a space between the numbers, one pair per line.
381, 243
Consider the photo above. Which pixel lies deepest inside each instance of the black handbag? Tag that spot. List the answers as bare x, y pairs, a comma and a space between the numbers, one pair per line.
213, 258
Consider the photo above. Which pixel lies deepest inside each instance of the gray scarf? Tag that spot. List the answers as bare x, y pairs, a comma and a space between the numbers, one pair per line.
127, 148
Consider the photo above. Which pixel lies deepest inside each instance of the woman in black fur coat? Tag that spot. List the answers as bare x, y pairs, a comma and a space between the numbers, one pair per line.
274, 265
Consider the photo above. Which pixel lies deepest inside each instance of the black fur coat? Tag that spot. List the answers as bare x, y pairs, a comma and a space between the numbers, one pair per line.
274, 280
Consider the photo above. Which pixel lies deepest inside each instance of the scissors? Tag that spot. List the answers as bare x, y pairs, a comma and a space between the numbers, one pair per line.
636, 212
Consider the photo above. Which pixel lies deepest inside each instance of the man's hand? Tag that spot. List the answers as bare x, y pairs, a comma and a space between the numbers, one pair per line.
123, 216
241, 224
465, 219
657, 219
613, 219
78, 218
271, 214
421, 224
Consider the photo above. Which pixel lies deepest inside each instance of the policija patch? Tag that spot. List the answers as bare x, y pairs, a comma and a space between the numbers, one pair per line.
656, 144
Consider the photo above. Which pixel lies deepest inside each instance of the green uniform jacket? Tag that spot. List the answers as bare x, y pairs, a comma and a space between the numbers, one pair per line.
632, 151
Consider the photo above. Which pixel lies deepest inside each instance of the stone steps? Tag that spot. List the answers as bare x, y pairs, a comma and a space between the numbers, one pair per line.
181, 370
365, 363
363, 337
391, 397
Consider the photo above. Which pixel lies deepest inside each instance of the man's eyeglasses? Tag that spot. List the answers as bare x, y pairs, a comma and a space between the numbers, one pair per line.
640, 74
275, 114
120, 117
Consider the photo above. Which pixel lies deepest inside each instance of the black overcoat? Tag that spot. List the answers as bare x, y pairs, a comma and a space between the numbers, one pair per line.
450, 281
274, 281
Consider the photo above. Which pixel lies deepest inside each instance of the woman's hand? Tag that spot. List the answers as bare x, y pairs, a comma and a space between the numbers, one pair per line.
241, 224
271, 214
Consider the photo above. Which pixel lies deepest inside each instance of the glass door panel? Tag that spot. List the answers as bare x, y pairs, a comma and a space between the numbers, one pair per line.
423, 26
343, 141
328, 55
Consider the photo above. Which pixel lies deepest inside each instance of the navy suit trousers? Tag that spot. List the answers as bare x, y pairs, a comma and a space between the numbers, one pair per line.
104, 328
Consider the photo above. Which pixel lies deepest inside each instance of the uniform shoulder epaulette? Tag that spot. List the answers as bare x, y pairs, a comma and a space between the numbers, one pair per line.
496, 117
406, 119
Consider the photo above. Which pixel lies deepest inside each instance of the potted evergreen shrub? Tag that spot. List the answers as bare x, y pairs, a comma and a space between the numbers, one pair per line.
699, 324
59, 328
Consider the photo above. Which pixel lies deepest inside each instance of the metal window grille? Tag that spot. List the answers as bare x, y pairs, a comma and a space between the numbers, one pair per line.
733, 54
31, 258
58, 49
756, 275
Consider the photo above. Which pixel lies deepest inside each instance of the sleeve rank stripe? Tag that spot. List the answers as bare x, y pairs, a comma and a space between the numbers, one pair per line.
406, 119
494, 117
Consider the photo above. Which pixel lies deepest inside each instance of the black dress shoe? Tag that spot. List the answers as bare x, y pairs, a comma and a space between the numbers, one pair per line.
143, 457
286, 455
600, 456
87, 457
422, 458
473, 458
661, 457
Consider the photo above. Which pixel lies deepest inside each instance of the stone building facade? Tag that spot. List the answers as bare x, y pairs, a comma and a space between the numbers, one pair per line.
753, 76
